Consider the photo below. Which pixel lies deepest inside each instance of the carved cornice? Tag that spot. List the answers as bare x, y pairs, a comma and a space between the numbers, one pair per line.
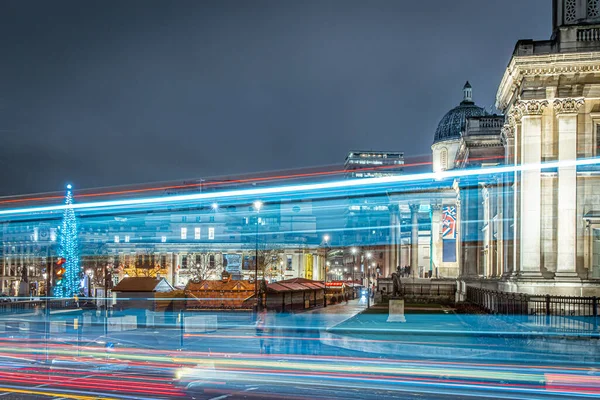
531, 107
568, 106
543, 65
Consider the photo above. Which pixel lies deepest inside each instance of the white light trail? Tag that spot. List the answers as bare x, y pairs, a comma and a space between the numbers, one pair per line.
291, 189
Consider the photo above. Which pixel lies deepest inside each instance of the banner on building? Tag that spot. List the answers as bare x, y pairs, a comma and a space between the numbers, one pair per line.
232, 262
448, 223
248, 263
308, 266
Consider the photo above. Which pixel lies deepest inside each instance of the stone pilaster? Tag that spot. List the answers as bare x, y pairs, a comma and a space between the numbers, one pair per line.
513, 137
530, 190
566, 113
414, 238
395, 240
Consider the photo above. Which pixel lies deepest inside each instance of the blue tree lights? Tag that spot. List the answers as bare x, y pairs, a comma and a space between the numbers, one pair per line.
69, 251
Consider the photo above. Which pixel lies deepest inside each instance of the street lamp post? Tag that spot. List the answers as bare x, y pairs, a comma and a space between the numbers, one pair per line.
257, 206
367, 272
353, 250
326, 239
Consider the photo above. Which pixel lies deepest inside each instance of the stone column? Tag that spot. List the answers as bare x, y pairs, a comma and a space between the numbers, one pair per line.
399, 244
530, 218
414, 238
515, 119
499, 239
436, 244
508, 133
566, 112
393, 240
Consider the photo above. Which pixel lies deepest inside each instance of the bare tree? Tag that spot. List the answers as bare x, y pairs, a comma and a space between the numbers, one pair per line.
146, 264
95, 259
204, 266
270, 259
270, 262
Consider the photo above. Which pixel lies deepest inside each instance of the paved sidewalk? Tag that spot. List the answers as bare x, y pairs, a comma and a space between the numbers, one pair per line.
338, 313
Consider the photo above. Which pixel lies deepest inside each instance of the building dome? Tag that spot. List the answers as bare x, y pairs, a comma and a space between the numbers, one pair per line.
453, 122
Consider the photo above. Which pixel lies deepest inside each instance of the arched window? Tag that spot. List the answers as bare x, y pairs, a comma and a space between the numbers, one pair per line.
444, 159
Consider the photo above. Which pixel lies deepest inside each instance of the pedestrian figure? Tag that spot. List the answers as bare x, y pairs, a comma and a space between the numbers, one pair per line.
261, 328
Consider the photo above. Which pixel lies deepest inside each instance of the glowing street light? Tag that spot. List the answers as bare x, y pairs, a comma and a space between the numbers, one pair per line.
215, 206
257, 206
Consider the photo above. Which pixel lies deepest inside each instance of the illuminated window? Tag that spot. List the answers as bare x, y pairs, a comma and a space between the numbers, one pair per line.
183, 233
117, 239
35, 234
197, 233
163, 239
211, 233
126, 238
53, 235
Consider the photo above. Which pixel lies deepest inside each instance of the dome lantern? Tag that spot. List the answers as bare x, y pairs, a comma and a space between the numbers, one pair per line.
452, 124
467, 93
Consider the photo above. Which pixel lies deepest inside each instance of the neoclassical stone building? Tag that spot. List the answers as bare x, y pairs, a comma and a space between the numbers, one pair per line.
537, 229
546, 234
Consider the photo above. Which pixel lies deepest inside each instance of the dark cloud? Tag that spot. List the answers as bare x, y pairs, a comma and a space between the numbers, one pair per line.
116, 92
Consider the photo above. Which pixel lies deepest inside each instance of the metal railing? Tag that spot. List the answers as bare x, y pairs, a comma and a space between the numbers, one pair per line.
33, 306
421, 289
555, 312
428, 289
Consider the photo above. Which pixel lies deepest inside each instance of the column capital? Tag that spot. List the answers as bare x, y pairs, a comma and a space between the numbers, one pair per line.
568, 105
514, 116
531, 107
508, 131
436, 206
414, 207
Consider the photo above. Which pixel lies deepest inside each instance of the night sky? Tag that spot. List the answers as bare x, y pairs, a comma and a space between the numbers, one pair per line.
103, 93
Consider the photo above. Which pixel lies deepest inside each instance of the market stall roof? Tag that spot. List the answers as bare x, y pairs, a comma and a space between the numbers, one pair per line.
295, 285
143, 284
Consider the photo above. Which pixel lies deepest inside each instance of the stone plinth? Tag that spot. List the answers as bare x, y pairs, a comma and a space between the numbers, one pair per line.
396, 313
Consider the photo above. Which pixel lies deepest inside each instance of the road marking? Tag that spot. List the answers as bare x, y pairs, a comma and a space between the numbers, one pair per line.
55, 394
220, 397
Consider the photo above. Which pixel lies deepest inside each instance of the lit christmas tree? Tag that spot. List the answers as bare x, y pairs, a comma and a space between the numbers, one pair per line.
69, 251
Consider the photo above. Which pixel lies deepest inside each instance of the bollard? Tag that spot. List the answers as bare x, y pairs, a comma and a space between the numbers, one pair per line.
181, 328
595, 312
